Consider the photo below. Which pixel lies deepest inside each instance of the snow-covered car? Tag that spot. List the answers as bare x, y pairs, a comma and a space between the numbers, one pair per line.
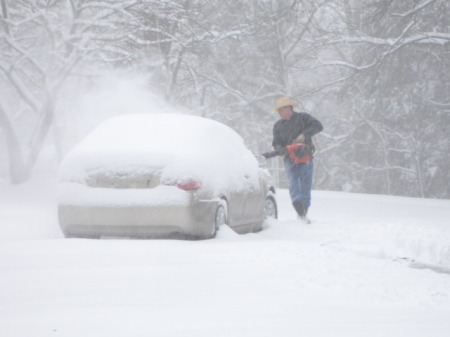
151, 175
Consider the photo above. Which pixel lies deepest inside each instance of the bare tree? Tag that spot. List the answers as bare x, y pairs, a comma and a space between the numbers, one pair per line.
375, 72
396, 96
41, 44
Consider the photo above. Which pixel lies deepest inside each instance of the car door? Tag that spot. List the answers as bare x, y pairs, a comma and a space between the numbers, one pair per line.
254, 201
246, 205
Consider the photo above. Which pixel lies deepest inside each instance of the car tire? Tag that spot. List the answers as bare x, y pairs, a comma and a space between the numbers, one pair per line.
270, 208
220, 217
75, 236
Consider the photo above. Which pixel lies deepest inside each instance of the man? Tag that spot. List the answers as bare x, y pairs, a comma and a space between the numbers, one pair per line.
296, 127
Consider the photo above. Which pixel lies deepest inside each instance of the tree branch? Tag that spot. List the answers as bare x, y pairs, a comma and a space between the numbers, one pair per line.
415, 9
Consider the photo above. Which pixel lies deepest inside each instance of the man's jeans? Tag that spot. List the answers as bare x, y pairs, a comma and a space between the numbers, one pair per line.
300, 181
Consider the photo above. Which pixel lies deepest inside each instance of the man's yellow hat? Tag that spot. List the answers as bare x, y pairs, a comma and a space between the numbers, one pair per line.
284, 101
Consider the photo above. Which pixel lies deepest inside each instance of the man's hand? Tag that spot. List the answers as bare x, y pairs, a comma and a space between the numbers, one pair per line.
300, 138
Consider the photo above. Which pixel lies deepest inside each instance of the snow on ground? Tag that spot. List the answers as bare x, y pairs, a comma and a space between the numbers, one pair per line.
367, 266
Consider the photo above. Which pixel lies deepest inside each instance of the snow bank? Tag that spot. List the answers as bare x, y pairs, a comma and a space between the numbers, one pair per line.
405, 229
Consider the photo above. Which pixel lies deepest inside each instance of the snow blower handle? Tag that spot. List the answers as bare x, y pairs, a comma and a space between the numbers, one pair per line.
274, 153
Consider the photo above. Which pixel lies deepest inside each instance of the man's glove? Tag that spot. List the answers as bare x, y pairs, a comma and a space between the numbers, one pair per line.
300, 138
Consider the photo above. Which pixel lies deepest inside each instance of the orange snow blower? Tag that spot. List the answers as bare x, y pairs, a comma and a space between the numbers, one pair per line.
299, 153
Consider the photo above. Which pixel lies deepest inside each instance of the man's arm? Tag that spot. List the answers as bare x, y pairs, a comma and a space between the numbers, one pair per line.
312, 126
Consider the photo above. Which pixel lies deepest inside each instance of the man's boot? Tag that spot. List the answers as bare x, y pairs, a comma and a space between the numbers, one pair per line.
305, 218
300, 209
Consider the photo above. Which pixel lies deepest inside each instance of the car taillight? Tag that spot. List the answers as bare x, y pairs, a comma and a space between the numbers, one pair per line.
189, 186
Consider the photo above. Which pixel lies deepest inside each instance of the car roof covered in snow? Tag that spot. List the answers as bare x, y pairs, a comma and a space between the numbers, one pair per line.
179, 144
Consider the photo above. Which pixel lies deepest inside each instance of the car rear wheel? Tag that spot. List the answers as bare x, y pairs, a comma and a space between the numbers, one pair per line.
270, 208
221, 217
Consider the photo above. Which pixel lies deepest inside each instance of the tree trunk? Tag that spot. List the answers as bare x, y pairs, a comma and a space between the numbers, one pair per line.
5, 16
16, 168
